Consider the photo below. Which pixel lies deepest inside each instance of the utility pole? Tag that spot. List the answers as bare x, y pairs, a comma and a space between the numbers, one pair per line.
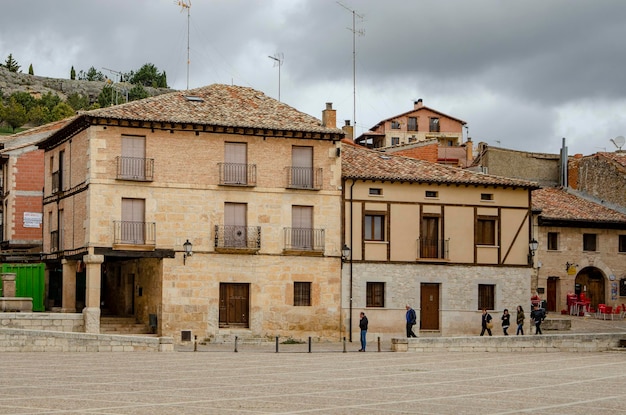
354, 34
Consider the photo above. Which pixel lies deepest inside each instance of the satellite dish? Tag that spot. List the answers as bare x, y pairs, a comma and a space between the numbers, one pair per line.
618, 141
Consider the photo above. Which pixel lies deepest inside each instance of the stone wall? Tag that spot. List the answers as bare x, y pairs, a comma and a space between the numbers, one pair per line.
15, 340
543, 343
66, 322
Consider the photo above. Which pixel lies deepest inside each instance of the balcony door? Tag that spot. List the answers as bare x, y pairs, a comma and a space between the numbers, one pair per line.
133, 157
302, 167
302, 227
235, 225
429, 241
133, 221
235, 163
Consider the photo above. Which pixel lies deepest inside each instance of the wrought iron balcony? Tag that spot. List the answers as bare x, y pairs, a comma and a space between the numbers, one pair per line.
135, 168
432, 248
238, 238
134, 233
304, 239
304, 178
237, 174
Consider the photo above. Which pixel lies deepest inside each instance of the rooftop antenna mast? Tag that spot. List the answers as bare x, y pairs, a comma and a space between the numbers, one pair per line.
354, 34
278, 59
118, 78
186, 4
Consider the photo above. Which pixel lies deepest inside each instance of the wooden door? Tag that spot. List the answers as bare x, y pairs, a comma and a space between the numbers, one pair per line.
302, 168
551, 294
133, 221
235, 167
429, 304
234, 305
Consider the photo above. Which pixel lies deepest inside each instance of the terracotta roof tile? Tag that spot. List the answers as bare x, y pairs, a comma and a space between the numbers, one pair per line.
220, 105
361, 163
557, 204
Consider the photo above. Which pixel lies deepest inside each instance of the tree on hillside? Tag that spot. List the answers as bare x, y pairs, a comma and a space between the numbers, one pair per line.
11, 64
39, 115
61, 111
14, 114
25, 99
77, 101
91, 75
30, 70
105, 98
137, 92
72, 74
148, 75
49, 100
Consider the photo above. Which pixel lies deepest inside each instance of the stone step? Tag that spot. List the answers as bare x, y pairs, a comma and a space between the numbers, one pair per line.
122, 325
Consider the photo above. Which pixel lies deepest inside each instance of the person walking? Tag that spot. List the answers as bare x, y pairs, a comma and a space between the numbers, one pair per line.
411, 319
363, 326
506, 321
486, 322
537, 316
520, 320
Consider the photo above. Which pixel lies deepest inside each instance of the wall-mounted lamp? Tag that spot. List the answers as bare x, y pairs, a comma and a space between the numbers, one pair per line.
345, 253
188, 250
533, 245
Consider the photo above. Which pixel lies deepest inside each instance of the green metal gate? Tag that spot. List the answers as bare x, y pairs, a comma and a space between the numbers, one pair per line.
29, 282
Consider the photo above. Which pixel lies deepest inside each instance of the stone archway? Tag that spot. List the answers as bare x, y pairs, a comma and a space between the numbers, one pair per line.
591, 281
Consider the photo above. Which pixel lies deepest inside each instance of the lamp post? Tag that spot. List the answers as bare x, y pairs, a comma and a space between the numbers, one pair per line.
345, 253
187, 251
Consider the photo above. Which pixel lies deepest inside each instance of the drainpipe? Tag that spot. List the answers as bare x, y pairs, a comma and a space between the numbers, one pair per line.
351, 253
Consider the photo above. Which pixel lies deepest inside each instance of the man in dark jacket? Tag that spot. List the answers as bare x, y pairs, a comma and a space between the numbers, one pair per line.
363, 327
537, 315
411, 319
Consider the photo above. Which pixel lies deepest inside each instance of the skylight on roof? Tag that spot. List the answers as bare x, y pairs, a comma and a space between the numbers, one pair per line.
193, 98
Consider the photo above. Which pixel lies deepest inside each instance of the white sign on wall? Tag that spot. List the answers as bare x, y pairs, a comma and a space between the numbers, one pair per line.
32, 219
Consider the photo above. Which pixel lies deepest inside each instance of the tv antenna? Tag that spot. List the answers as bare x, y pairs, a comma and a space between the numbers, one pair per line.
186, 4
618, 142
355, 32
118, 78
278, 59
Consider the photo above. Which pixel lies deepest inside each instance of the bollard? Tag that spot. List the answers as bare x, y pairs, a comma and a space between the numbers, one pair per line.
236, 339
195, 343
276, 344
309, 344
379, 343
344, 344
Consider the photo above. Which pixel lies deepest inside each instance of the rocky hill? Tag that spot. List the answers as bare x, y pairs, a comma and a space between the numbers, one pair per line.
37, 86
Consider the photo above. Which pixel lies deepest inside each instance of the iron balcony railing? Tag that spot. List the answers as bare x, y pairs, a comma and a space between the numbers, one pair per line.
432, 248
54, 241
135, 168
237, 174
238, 237
56, 182
134, 233
304, 178
304, 239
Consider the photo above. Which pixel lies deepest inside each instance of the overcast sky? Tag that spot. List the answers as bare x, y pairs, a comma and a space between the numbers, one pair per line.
522, 74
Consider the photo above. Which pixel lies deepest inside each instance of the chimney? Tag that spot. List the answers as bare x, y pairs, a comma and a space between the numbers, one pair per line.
349, 130
329, 116
469, 150
418, 104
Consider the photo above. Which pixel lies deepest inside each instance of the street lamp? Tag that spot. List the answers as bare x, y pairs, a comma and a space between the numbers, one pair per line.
188, 250
533, 245
345, 253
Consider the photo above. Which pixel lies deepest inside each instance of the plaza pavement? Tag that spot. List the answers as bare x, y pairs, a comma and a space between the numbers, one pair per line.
257, 380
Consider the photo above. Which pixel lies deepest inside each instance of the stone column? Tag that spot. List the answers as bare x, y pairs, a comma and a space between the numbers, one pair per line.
8, 284
68, 297
91, 312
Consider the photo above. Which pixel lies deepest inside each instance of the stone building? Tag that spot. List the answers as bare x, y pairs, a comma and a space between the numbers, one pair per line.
446, 241
601, 175
582, 249
210, 212
419, 124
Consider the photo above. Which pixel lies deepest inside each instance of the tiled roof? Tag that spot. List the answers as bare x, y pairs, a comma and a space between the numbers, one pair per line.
557, 204
617, 158
423, 107
361, 163
33, 135
218, 105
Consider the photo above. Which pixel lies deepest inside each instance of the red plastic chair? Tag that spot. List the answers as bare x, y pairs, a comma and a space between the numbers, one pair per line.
608, 311
617, 311
601, 310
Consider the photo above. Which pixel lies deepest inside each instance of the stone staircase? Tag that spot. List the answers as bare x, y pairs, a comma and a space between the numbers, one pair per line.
123, 326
